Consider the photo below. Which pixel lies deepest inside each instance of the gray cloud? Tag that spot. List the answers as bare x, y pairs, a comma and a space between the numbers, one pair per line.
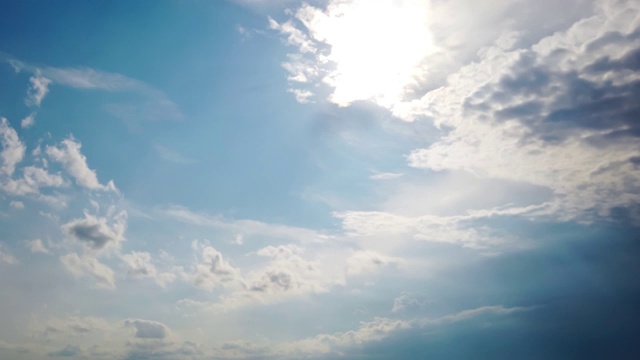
96, 232
146, 329
67, 351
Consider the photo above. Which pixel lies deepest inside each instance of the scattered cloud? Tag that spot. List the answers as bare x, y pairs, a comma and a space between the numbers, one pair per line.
385, 176
13, 149
28, 121
37, 246
68, 154
87, 265
172, 155
6, 258
67, 351
410, 302
140, 266
146, 329
97, 233
39, 88
16, 204
211, 269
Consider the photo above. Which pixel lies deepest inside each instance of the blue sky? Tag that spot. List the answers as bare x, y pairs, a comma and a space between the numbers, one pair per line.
253, 179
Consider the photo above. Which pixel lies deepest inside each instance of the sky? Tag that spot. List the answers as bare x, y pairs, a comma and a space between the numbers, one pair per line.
330, 179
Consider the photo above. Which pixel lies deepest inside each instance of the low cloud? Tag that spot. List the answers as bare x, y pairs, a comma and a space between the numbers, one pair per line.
87, 265
146, 329
97, 233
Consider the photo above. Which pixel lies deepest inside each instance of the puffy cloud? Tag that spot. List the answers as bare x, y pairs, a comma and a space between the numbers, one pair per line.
97, 233
13, 149
139, 266
28, 121
146, 329
68, 154
211, 269
36, 246
39, 88
85, 265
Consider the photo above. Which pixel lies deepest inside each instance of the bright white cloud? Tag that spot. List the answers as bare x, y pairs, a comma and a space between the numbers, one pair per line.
211, 269
68, 154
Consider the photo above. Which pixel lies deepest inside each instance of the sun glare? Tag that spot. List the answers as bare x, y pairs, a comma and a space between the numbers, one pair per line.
376, 47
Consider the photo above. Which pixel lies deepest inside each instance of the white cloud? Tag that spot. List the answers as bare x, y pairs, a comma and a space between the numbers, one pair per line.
28, 121
6, 258
68, 154
385, 176
39, 88
97, 233
410, 302
211, 269
13, 149
139, 266
37, 246
366, 262
146, 329
87, 265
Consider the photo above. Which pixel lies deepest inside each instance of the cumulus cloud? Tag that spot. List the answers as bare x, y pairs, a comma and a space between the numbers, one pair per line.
13, 149
39, 88
211, 269
146, 329
544, 99
97, 233
75, 163
28, 121
87, 265
140, 266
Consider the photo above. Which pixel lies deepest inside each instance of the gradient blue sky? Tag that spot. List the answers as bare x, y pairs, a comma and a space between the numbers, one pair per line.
357, 179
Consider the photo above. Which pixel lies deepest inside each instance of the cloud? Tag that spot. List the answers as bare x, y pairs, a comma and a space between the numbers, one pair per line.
28, 121
172, 156
139, 266
410, 302
13, 149
148, 103
96, 232
87, 265
385, 176
67, 351
146, 329
17, 205
39, 88
36, 246
211, 269
68, 154
366, 262
6, 258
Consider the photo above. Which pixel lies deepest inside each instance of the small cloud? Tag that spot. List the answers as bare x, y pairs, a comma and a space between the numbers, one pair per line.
385, 176
172, 155
409, 302
28, 121
39, 88
36, 246
17, 205
146, 329
85, 265
96, 232
68, 154
6, 258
